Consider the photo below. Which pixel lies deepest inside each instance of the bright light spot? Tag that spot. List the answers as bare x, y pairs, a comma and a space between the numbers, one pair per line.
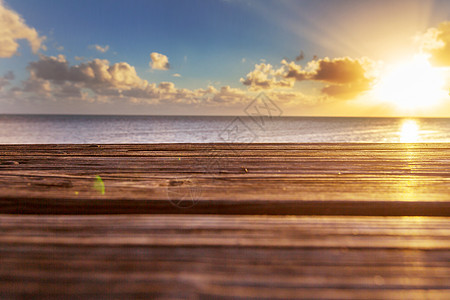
411, 85
409, 132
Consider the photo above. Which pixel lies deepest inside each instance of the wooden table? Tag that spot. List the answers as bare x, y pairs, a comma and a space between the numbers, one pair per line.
322, 221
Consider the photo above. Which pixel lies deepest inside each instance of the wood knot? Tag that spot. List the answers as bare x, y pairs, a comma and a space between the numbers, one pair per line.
178, 182
9, 162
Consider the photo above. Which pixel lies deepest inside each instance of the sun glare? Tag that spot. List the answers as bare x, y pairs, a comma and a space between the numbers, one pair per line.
409, 132
412, 85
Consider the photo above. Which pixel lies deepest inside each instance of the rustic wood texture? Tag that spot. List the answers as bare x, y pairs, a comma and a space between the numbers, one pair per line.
323, 179
214, 256
201, 221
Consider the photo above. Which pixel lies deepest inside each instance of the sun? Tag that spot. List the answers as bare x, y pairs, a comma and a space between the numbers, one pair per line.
412, 85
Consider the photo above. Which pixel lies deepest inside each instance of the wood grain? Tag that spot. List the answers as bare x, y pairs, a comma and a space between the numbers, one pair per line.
220, 221
201, 256
301, 179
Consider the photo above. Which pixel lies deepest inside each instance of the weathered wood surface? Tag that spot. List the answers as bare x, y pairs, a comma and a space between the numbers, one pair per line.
223, 257
220, 221
323, 179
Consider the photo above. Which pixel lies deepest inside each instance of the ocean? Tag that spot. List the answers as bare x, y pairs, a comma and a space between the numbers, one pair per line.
82, 129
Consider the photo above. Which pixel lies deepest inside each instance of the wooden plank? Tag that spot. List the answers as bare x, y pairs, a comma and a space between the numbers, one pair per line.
135, 241
259, 231
213, 256
320, 179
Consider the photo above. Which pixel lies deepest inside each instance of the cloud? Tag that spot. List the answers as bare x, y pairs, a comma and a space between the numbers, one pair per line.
176, 75
344, 78
264, 76
98, 80
5, 79
436, 42
346, 91
99, 48
338, 70
37, 86
97, 73
13, 28
53, 78
294, 71
290, 97
225, 95
299, 57
159, 61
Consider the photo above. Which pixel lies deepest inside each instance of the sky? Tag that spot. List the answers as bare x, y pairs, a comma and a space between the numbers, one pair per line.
204, 57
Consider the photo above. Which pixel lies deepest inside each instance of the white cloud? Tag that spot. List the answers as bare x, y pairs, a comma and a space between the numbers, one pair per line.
264, 76
176, 75
436, 41
159, 61
53, 78
13, 28
99, 48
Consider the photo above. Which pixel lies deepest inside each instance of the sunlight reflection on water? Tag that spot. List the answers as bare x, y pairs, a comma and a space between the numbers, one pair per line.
409, 132
73, 129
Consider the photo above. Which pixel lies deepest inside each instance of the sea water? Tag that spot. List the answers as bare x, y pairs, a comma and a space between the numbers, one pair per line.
80, 129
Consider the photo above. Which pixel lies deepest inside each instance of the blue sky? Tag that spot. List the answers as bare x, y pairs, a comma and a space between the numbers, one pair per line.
222, 53
213, 35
